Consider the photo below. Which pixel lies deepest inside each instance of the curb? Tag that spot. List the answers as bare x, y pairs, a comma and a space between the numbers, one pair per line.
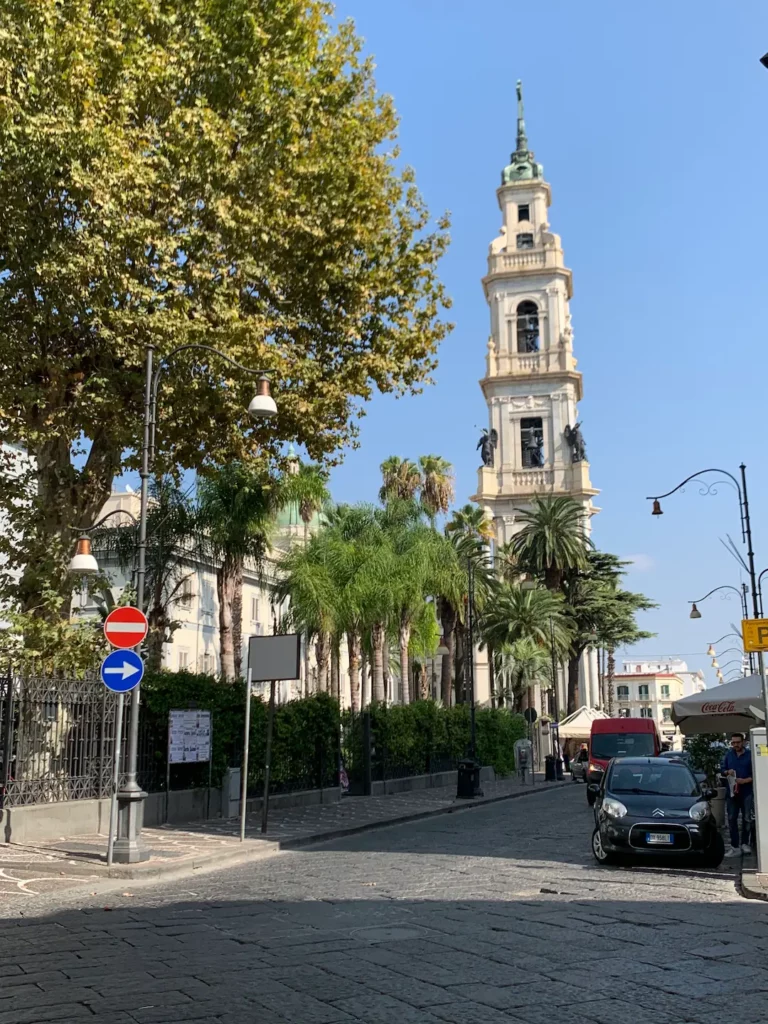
749, 887
251, 852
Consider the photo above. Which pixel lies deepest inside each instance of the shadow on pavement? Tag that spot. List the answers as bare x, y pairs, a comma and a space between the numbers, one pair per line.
154, 959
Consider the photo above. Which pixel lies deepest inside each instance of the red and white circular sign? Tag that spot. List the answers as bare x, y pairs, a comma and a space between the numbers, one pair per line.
126, 627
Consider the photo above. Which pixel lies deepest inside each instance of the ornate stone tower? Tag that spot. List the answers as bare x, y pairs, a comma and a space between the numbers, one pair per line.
534, 443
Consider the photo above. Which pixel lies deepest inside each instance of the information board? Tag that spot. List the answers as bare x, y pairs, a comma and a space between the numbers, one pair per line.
189, 737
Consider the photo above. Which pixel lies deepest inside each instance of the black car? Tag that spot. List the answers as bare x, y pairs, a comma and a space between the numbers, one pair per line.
653, 807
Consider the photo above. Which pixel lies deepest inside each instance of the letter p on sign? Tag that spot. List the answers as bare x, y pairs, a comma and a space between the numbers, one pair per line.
755, 633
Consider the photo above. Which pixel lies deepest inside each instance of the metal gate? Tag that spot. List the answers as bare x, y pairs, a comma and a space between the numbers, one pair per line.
57, 738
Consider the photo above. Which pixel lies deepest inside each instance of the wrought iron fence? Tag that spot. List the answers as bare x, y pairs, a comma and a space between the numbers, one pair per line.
57, 738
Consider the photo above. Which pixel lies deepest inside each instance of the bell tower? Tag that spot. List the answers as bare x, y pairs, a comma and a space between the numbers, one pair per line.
534, 444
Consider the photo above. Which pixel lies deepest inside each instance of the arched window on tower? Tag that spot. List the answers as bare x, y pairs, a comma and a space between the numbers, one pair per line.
527, 327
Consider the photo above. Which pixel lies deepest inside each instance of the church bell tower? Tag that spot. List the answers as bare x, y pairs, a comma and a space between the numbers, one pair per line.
534, 443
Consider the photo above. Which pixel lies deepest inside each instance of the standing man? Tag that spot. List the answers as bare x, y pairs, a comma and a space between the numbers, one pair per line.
737, 768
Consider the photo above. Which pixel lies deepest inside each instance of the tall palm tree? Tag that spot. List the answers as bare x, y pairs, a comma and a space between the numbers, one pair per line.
471, 521
516, 614
402, 479
237, 512
307, 485
552, 539
520, 666
437, 485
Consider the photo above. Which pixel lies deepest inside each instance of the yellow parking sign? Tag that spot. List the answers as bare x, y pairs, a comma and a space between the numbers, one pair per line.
755, 633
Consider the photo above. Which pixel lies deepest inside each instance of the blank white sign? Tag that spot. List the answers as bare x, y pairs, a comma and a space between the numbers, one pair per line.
274, 657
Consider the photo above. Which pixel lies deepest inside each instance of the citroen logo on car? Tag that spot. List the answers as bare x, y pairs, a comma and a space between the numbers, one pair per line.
658, 813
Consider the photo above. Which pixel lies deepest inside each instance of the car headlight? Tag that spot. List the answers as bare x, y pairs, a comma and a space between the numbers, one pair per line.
614, 808
594, 767
699, 811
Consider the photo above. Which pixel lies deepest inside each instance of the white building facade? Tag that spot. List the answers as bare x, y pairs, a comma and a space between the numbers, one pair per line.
648, 689
531, 385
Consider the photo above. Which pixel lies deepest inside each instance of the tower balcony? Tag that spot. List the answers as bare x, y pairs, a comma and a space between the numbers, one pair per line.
529, 364
512, 482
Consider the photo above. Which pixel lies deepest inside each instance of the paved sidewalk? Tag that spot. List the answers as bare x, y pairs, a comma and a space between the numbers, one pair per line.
182, 849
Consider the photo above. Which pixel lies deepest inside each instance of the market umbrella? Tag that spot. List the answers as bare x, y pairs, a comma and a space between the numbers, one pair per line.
732, 707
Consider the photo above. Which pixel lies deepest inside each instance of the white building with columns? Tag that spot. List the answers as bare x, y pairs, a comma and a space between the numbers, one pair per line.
531, 384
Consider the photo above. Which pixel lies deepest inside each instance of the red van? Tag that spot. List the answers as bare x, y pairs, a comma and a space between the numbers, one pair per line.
619, 737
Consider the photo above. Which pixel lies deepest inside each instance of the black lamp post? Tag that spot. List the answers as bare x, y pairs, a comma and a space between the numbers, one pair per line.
746, 536
129, 848
742, 594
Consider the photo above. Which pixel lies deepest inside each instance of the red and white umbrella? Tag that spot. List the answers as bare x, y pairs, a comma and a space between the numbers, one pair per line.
732, 707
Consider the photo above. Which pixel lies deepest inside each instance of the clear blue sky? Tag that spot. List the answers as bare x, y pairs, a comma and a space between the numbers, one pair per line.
651, 121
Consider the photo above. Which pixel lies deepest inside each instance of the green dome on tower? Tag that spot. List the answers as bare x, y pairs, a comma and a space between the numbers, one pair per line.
523, 166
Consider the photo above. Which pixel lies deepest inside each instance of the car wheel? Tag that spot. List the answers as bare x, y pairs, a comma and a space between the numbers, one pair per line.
601, 856
590, 797
714, 855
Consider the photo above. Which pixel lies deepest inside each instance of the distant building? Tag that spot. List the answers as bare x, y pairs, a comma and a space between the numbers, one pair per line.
648, 689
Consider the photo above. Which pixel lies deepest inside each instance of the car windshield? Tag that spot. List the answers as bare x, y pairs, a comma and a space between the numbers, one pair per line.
606, 745
654, 779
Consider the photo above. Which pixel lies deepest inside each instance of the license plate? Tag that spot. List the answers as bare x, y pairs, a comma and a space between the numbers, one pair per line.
660, 838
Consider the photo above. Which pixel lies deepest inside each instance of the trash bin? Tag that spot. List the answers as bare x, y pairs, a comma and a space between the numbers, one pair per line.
550, 771
559, 770
468, 785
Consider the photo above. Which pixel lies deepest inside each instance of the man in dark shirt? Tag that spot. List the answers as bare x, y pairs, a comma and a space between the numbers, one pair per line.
737, 767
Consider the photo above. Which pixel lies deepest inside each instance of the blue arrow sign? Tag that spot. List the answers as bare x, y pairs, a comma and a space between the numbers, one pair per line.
121, 671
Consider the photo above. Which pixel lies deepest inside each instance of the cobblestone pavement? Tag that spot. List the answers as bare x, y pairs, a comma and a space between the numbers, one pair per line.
498, 915
64, 862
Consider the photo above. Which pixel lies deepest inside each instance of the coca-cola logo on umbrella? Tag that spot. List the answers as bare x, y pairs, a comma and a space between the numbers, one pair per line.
723, 707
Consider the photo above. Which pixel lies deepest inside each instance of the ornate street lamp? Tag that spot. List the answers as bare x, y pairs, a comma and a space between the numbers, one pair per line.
742, 593
746, 536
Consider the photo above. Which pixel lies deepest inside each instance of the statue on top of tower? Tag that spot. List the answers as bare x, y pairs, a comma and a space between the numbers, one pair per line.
523, 166
487, 445
575, 441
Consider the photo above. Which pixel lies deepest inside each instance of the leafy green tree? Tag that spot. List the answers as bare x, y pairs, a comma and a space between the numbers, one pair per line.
216, 172
520, 665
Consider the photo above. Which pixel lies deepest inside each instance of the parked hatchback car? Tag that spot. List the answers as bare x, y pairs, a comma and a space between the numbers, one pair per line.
653, 807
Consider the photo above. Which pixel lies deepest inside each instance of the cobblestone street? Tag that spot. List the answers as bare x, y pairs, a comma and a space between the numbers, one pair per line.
496, 915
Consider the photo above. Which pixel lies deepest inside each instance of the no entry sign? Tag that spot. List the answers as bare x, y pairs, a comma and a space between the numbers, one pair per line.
125, 627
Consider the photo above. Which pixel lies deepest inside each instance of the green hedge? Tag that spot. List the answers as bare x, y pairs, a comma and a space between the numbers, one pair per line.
412, 740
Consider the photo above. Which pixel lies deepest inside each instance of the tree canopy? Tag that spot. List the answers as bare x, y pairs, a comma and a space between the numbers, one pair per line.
196, 171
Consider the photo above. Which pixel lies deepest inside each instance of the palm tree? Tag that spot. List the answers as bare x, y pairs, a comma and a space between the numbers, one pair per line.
517, 614
237, 512
552, 539
402, 479
307, 485
471, 521
520, 666
437, 485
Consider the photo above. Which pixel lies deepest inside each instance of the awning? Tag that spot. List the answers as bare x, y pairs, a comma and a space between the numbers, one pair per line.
578, 725
731, 707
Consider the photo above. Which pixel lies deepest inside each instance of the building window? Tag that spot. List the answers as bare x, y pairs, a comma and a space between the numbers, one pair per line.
665, 692
532, 443
254, 609
642, 691
527, 327
183, 660
666, 714
207, 663
186, 593
523, 211
622, 692
525, 241
646, 712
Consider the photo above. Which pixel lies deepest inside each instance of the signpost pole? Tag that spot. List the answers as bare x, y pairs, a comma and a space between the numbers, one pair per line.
268, 759
115, 779
210, 764
246, 740
168, 772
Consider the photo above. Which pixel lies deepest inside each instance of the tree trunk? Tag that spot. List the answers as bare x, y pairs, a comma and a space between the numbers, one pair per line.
405, 640
322, 646
425, 689
237, 626
609, 681
448, 622
378, 639
353, 649
573, 681
365, 679
155, 638
335, 670
226, 585
491, 676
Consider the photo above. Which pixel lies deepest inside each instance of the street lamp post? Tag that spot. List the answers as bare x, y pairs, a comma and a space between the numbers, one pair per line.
742, 594
746, 536
471, 657
129, 847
